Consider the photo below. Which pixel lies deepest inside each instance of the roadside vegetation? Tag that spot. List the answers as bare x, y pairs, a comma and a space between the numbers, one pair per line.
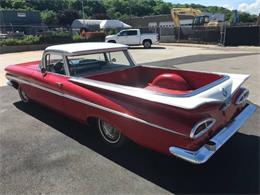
53, 38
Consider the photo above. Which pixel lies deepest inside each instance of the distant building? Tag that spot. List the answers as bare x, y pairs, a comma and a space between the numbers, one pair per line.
96, 25
90, 25
28, 22
154, 21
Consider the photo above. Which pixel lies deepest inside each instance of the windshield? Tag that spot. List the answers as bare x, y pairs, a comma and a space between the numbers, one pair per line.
85, 64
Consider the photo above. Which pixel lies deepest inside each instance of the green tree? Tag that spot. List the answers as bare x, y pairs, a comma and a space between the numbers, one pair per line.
18, 4
116, 8
66, 17
94, 9
246, 17
49, 17
142, 7
55, 5
162, 8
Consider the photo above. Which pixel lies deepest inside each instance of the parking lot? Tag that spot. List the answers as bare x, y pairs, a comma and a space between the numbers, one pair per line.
43, 152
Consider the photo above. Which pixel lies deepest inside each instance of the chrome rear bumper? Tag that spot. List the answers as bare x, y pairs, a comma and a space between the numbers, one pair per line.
205, 152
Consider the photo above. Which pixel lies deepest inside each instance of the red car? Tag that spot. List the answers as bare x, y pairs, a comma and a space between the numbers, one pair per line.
182, 113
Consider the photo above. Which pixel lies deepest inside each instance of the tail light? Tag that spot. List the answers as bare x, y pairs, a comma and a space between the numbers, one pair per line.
243, 96
201, 127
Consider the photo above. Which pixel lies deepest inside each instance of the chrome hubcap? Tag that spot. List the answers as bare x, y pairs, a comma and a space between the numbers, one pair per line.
24, 95
147, 44
109, 133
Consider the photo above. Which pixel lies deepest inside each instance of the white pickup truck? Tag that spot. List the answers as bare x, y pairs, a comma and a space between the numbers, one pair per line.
134, 37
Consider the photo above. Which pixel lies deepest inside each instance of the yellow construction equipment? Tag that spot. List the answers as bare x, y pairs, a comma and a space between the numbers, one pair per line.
176, 12
199, 18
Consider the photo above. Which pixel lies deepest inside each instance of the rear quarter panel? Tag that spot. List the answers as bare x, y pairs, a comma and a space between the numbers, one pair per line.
173, 118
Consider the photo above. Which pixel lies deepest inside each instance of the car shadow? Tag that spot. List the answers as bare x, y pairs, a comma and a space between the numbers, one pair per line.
233, 169
141, 47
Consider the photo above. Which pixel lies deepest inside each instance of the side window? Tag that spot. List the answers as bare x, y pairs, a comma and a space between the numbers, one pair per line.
123, 33
132, 32
54, 63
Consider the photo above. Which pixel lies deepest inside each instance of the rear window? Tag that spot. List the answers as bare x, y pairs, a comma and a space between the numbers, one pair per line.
132, 32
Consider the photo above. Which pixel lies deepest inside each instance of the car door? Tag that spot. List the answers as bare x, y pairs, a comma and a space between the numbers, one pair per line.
49, 85
122, 37
133, 37
129, 37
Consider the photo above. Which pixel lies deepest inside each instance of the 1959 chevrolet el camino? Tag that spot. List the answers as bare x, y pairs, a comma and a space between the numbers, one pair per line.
182, 113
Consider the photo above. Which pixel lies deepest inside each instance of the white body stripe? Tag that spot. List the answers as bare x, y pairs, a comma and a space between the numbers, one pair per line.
210, 93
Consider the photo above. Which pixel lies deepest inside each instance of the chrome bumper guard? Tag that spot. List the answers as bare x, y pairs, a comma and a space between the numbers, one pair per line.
205, 152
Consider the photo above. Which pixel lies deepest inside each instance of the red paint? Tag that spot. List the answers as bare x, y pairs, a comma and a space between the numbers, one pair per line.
170, 117
171, 81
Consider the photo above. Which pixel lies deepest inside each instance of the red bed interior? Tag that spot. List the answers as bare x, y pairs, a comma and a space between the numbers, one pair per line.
159, 79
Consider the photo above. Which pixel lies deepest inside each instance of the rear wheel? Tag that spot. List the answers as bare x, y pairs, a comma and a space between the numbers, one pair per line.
110, 134
23, 95
147, 44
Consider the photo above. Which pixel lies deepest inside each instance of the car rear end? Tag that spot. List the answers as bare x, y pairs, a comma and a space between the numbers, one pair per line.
153, 37
221, 120
191, 126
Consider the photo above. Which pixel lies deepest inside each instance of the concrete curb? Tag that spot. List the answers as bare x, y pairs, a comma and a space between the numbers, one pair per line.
208, 46
191, 45
20, 48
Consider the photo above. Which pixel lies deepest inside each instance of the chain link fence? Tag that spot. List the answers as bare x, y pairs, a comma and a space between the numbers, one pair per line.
223, 35
187, 34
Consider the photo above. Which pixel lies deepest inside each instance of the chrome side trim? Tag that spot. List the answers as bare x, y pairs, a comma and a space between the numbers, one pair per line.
205, 152
193, 134
74, 98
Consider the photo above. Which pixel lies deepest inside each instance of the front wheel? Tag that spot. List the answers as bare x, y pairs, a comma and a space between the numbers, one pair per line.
110, 134
23, 95
111, 41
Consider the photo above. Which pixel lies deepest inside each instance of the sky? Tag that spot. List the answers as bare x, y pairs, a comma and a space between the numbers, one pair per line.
251, 6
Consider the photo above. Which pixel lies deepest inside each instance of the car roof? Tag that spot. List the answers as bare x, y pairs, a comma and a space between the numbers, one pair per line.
86, 48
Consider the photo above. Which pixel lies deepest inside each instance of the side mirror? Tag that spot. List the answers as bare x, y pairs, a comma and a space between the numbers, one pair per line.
113, 60
43, 70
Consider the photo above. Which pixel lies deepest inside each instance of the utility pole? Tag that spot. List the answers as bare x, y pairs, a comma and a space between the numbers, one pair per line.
82, 7
130, 9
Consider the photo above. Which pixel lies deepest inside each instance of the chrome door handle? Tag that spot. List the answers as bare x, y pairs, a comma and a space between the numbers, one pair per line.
59, 84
